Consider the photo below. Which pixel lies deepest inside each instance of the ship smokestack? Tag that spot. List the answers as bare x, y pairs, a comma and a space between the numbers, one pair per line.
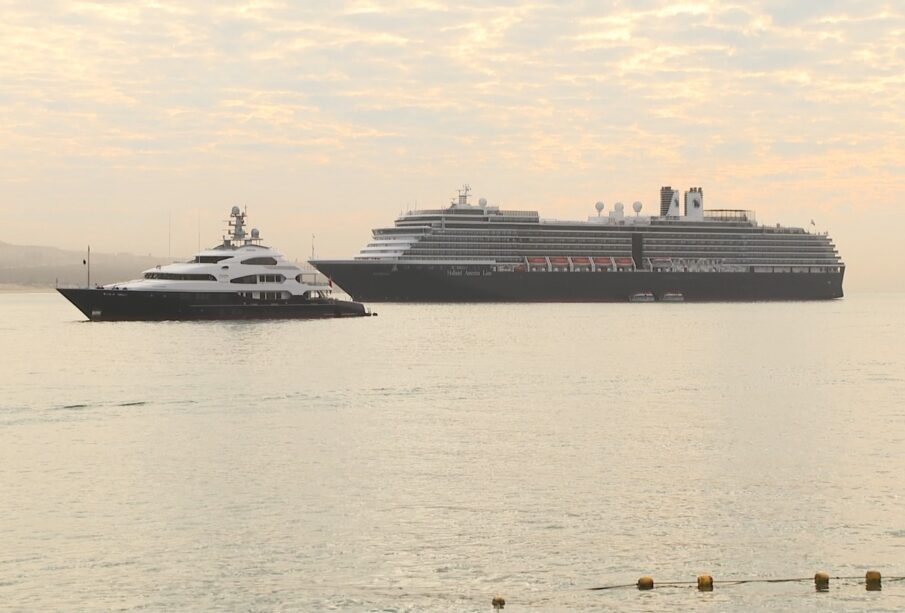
669, 202
694, 203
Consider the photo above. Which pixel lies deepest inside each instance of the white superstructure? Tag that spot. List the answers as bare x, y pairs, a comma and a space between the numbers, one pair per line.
615, 238
239, 265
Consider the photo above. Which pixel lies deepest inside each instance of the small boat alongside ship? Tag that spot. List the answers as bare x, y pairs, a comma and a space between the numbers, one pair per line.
238, 279
642, 297
652, 297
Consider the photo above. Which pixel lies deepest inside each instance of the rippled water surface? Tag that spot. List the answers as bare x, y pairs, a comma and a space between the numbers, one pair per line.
433, 456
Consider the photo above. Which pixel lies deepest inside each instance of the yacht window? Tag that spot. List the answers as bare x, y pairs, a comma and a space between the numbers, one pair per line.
246, 279
171, 276
263, 261
271, 278
210, 259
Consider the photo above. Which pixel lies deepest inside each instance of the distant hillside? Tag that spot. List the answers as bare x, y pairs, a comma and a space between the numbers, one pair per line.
46, 266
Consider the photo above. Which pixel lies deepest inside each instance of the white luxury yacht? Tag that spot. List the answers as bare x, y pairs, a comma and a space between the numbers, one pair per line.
238, 279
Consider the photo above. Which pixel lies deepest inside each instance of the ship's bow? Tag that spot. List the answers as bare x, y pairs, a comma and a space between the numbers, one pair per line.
84, 300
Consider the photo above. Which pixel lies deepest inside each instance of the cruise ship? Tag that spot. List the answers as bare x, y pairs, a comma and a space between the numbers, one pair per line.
476, 253
238, 279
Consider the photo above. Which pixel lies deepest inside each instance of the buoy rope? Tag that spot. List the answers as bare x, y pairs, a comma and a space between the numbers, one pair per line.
738, 582
613, 587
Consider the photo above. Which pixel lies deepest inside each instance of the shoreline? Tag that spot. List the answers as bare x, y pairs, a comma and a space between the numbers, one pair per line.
14, 288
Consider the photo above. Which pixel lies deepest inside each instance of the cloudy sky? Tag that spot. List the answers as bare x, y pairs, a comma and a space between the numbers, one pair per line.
128, 125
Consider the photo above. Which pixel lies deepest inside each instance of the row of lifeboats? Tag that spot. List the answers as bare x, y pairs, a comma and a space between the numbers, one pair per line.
581, 261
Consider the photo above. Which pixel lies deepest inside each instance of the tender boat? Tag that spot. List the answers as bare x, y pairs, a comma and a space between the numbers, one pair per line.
642, 297
672, 297
238, 279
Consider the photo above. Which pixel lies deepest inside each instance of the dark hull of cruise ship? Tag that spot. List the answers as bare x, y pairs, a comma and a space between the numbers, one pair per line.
124, 305
387, 282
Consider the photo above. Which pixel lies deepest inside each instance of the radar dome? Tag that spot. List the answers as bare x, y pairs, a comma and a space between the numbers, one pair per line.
599, 206
619, 206
255, 233
482, 202
637, 206
236, 210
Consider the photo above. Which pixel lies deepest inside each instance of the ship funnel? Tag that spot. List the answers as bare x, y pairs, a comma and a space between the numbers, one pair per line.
669, 202
694, 203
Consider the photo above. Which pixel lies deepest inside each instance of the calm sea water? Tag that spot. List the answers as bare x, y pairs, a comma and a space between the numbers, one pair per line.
431, 457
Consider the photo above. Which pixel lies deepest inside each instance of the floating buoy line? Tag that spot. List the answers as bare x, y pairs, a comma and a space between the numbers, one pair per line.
872, 580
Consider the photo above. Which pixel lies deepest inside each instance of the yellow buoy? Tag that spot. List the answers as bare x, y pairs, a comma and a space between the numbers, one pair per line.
705, 583
646, 583
498, 602
822, 581
872, 578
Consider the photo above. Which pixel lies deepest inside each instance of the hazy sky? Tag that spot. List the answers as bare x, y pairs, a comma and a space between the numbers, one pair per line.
331, 117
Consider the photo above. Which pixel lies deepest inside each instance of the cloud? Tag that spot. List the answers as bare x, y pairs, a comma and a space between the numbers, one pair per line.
544, 98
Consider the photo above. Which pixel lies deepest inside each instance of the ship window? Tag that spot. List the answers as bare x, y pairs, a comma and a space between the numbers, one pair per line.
210, 259
246, 279
264, 261
271, 278
170, 276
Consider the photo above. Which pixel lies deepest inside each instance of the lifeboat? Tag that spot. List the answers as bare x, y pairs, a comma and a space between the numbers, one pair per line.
642, 297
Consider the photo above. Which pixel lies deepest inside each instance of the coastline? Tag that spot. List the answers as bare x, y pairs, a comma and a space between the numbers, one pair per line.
14, 288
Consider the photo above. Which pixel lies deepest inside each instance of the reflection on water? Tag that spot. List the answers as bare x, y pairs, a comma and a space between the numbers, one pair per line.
436, 455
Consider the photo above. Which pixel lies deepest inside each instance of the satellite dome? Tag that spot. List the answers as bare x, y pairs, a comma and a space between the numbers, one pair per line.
637, 206
599, 206
255, 233
236, 210
619, 206
482, 202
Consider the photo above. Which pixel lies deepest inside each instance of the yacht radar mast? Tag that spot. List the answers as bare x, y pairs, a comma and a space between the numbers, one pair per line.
236, 235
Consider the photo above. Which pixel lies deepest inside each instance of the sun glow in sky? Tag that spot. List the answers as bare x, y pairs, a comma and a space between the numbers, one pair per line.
328, 118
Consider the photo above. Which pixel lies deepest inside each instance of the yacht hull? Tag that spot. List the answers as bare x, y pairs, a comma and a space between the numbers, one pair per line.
125, 305
389, 282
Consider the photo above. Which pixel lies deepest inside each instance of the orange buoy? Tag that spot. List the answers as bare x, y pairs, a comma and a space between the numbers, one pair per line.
822, 581
872, 579
705, 583
646, 583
